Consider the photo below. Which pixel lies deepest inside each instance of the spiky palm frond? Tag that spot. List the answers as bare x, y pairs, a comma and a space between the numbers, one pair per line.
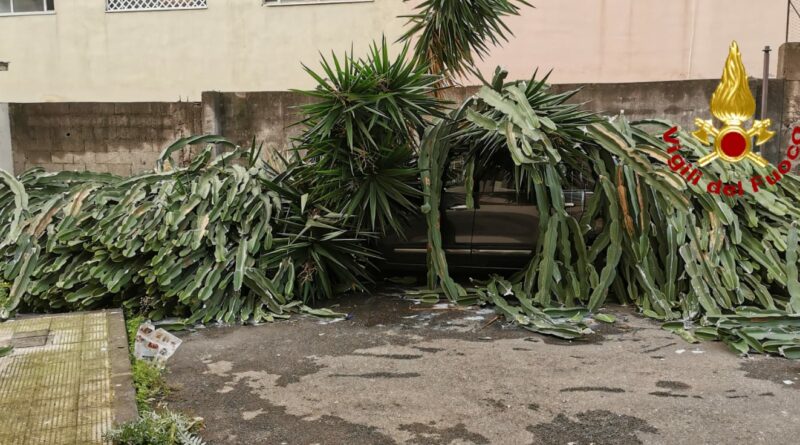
369, 103
449, 34
362, 132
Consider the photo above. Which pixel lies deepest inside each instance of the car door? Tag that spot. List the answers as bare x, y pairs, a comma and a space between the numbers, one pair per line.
456, 228
506, 223
457, 225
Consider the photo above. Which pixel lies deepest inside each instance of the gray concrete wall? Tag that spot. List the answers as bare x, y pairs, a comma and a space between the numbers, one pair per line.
6, 158
676, 101
125, 138
269, 116
789, 72
120, 138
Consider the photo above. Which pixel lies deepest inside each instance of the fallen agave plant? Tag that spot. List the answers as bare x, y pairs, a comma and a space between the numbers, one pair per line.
225, 238
714, 267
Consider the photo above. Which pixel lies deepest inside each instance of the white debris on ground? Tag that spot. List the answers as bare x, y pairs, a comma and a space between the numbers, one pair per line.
154, 344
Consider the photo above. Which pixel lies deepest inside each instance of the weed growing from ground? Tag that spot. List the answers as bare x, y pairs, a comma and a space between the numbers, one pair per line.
164, 428
155, 425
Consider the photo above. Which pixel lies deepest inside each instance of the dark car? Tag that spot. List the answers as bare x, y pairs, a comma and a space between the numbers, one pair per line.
500, 233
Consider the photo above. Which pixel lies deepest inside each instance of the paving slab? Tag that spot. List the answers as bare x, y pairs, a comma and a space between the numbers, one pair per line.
67, 380
398, 373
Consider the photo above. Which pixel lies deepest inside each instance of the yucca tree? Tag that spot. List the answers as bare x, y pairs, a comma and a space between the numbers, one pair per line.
362, 133
450, 34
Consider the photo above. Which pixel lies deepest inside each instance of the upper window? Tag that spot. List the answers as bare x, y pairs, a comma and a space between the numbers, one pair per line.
26, 6
308, 2
151, 5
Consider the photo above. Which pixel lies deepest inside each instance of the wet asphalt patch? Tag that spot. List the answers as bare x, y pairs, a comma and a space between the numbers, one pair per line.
673, 385
598, 427
380, 375
668, 394
777, 370
430, 435
391, 356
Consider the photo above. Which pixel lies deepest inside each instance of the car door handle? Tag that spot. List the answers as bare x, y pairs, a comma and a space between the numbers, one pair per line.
409, 250
502, 252
461, 207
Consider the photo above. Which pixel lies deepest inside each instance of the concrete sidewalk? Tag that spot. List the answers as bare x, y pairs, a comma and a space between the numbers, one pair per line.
66, 381
398, 373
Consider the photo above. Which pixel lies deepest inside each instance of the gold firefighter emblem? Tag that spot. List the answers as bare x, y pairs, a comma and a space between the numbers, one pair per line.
733, 104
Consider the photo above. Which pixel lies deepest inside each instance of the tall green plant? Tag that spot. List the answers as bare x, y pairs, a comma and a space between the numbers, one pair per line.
725, 268
449, 34
362, 132
223, 239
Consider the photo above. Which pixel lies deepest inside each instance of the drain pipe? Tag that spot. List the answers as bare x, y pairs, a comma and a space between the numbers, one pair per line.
765, 83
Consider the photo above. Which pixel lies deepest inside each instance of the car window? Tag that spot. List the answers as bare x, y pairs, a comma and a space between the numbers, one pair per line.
454, 174
497, 187
577, 187
498, 182
455, 190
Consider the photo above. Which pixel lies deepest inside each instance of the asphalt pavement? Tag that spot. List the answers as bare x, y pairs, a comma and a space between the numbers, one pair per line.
404, 373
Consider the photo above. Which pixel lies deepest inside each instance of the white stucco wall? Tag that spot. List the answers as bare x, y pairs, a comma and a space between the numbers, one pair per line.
587, 41
82, 53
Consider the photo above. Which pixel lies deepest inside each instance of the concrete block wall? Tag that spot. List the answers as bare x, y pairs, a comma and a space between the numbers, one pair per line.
119, 138
269, 116
679, 102
789, 72
126, 138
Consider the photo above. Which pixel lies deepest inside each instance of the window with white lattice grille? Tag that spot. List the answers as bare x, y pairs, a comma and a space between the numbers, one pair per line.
8, 7
153, 5
309, 2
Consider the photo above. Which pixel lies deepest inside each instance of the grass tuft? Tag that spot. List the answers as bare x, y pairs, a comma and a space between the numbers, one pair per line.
150, 384
162, 428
